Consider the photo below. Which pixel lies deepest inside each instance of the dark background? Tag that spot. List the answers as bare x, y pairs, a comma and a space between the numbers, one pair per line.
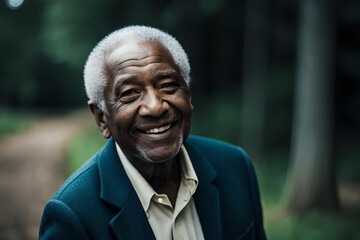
44, 45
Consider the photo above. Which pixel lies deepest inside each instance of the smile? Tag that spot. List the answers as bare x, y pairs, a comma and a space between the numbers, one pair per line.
159, 130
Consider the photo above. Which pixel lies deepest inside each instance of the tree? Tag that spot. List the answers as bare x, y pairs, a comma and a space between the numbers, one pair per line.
311, 175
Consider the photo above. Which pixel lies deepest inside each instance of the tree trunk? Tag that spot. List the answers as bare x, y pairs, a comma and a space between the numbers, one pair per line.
254, 71
311, 175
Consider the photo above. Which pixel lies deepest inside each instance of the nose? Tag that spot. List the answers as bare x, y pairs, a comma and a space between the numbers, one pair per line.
153, 105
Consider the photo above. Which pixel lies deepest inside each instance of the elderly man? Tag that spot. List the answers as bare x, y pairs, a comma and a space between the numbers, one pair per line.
152, 180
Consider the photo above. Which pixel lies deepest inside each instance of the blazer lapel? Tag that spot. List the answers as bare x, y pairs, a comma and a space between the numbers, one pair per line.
130, 222
206, 197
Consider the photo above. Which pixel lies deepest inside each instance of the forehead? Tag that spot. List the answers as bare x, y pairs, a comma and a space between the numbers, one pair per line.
136, 52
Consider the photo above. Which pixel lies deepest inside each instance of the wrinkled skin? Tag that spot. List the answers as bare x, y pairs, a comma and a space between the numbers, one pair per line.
149, 110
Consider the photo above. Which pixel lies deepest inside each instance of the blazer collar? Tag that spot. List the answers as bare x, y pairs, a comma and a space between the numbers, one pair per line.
206, 197
130, 222
114, 183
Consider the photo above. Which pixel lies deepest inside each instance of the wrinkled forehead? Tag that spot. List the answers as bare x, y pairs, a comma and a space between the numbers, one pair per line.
137, 50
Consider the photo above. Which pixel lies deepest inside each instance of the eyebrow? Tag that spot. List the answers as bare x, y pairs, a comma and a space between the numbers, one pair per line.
122, 79
166, 73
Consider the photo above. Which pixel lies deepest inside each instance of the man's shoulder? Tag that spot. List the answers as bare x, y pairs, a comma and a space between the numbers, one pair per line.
78, 206
213, 147
80, 183
218, 153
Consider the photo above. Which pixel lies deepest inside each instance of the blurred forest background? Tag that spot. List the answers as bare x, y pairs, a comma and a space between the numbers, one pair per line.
279, 78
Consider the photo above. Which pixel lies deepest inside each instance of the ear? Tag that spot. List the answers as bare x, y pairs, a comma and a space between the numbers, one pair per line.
101, 120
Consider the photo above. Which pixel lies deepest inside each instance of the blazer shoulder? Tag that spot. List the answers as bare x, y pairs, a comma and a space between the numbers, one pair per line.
80, 183
226, 159
216, 149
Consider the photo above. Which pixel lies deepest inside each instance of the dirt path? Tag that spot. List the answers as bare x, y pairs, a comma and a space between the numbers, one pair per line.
31, 169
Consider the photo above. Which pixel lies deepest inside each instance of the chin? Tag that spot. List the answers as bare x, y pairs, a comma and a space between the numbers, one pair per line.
157, 156
155, 159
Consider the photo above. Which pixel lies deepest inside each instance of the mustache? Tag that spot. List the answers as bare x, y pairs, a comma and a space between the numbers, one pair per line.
156, 122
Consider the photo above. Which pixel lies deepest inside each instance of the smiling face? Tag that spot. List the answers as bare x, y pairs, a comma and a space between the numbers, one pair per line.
148, 102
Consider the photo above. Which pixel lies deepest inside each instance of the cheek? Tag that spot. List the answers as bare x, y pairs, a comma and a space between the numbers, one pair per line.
124, 117
181, 101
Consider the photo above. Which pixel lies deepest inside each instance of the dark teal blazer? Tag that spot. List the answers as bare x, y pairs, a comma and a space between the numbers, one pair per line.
99, 202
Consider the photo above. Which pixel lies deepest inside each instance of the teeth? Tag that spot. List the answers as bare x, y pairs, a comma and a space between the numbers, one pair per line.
158, 130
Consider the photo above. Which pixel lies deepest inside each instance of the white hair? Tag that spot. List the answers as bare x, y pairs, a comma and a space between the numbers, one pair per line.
94, 73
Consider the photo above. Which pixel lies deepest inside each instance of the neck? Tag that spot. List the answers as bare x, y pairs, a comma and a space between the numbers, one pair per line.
164, 177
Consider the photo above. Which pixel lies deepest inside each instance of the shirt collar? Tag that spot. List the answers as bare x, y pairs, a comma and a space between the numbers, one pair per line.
187, 169
143, 189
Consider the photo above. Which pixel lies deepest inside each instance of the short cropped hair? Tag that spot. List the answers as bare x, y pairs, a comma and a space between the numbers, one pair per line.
94, 72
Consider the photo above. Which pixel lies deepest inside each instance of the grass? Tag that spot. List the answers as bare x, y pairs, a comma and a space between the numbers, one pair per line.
13, 121
315, 224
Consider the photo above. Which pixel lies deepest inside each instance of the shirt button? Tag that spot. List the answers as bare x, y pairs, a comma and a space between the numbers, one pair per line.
160, 200
181, 238
177, 223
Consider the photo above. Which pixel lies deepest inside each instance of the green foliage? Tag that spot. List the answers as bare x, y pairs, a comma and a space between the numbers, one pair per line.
69, 30
44, 44
82, 147
348, 161
13, 121
279, 106
217, 116
271, 173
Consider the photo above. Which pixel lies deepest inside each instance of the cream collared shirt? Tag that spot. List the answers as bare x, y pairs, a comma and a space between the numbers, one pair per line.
167, 222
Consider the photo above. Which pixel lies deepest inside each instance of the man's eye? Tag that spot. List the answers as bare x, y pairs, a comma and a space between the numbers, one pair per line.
169, 85
129, 95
